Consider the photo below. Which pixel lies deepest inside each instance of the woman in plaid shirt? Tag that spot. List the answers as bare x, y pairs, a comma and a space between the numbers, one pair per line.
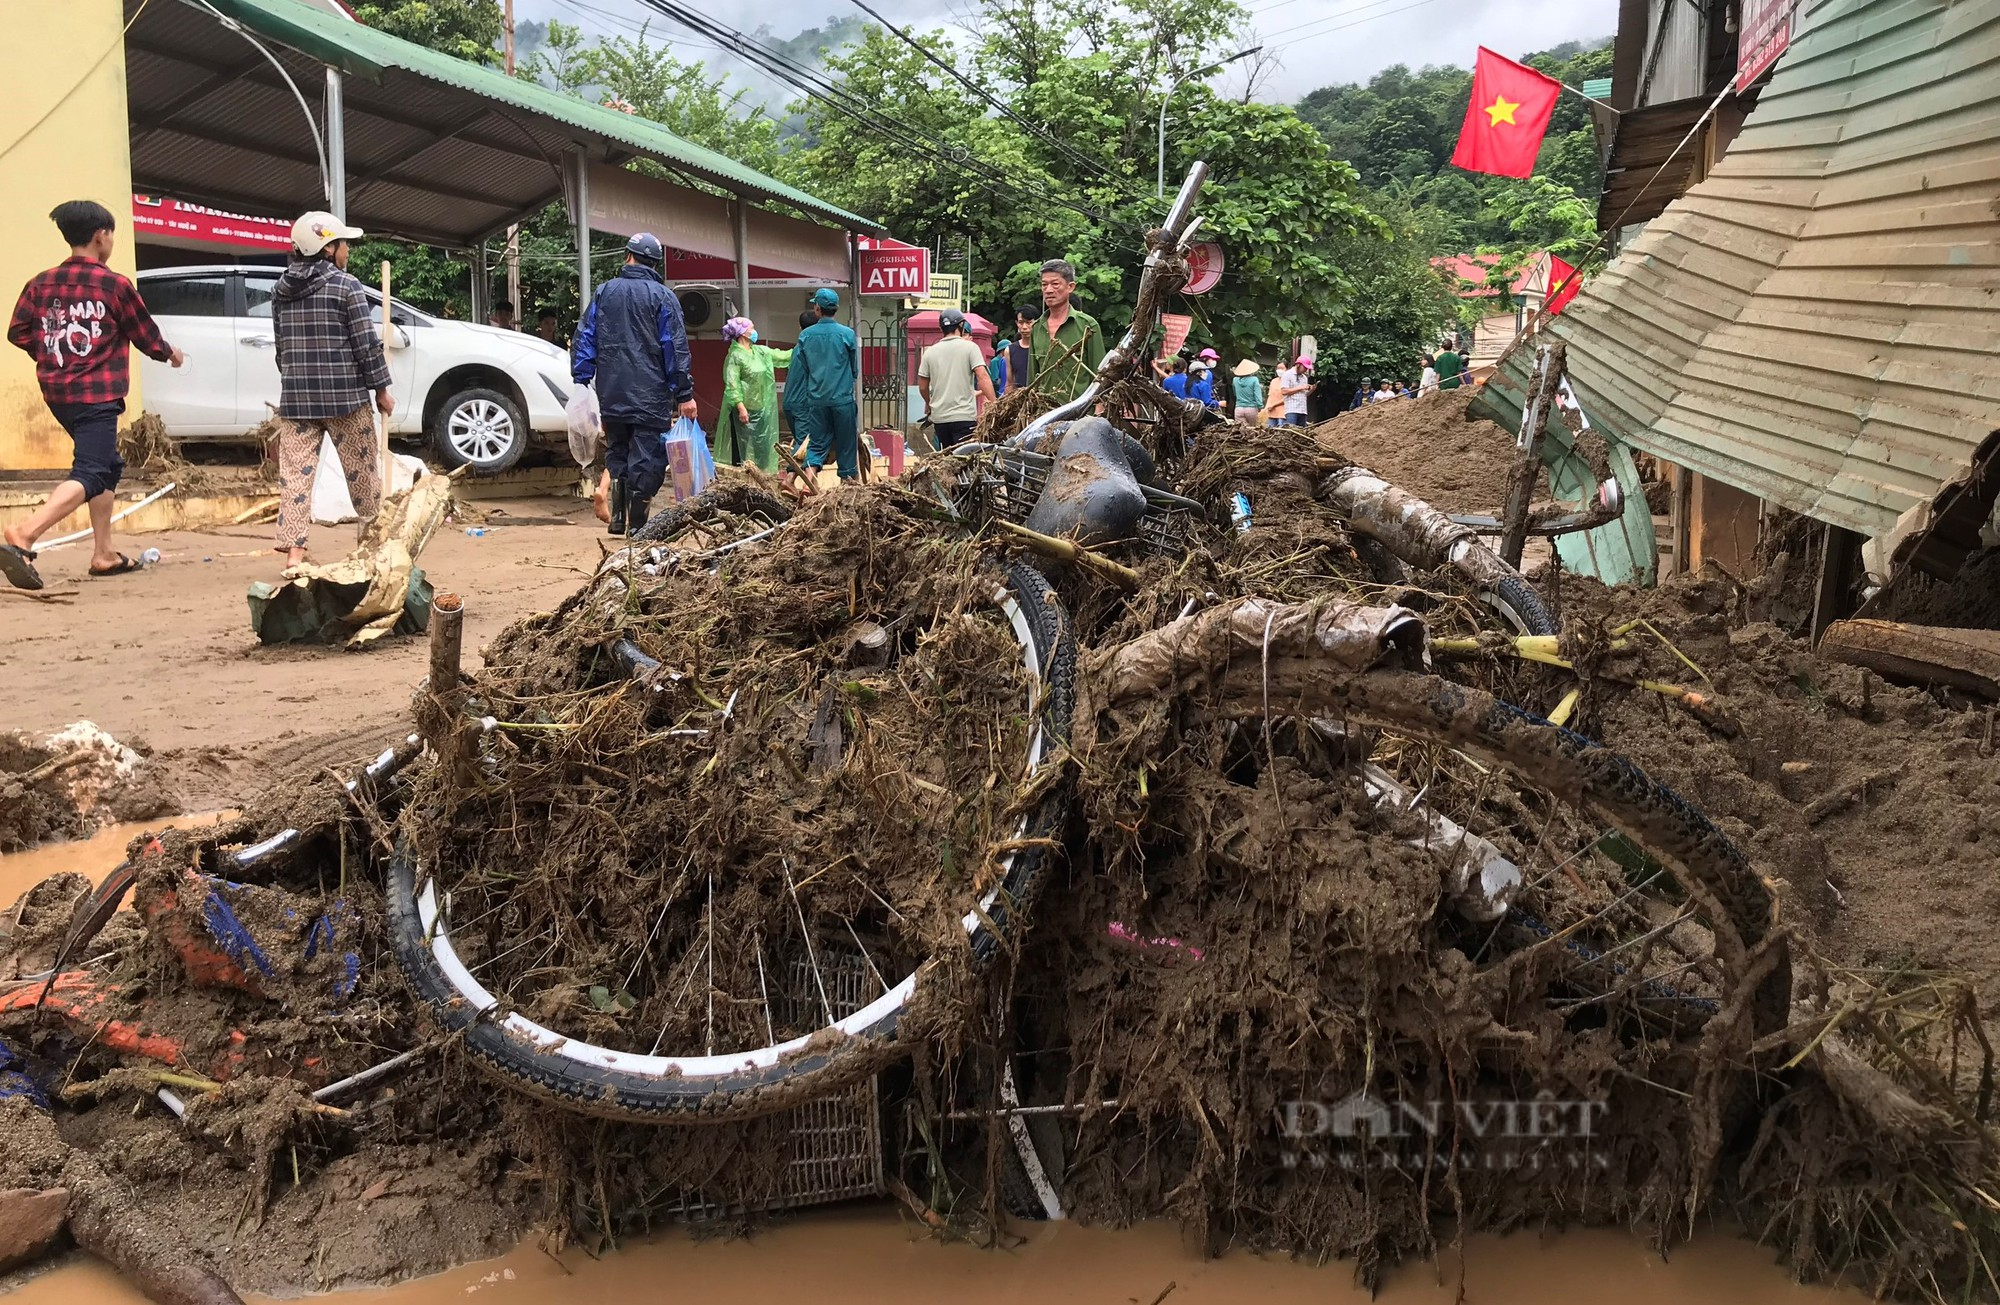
329, 360
75, 320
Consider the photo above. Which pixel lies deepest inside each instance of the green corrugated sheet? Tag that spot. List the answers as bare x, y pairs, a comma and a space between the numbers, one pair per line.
361, 51
1816, 323
1624, 552
1597, 88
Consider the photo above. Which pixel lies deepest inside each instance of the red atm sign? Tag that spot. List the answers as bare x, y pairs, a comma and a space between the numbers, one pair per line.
900, 272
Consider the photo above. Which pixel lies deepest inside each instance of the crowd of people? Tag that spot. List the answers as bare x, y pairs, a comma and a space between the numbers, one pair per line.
79, 318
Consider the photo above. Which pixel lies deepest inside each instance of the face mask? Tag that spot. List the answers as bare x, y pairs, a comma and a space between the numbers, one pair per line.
753, 337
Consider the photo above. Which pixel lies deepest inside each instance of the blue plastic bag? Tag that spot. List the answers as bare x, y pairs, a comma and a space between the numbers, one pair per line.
690, 466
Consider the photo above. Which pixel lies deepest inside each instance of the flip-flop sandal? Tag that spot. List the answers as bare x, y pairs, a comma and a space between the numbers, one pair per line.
125, 566
18, 565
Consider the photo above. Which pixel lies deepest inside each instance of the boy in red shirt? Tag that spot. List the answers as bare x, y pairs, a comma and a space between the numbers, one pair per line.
75, 320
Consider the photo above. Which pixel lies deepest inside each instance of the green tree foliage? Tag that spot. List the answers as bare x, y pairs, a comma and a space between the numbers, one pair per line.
464, 29
1082, 82
641, 78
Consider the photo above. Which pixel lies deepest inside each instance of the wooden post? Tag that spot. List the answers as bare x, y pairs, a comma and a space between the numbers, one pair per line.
1833, 593
1528, 461
381, 422
447, 635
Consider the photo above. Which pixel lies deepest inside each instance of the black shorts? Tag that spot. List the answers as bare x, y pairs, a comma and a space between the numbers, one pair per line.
93, 429
951, 432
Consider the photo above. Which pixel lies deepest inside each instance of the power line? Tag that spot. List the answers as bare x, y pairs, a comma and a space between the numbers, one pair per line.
845, 102
1338, 27
1074, 153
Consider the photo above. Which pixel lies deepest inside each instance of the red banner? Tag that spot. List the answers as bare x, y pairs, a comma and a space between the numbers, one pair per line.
170, 219
1178, 325
904, 273
1765, 33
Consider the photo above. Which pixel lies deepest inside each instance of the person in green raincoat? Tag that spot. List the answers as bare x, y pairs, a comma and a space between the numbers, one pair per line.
749, 430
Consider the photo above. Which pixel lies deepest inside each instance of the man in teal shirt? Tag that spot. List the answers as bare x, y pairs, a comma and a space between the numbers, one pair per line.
819, 389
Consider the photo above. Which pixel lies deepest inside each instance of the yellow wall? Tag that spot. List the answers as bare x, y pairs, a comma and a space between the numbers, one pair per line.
65, 61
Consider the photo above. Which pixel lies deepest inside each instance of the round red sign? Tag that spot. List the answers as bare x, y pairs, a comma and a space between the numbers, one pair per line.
1204, 268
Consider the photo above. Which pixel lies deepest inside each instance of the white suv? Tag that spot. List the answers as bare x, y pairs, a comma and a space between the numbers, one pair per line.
477, 393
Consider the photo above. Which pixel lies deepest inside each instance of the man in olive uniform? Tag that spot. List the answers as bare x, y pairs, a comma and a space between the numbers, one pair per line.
1067, 344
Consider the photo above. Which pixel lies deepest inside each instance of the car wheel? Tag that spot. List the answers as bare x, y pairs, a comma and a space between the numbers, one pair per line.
482, 429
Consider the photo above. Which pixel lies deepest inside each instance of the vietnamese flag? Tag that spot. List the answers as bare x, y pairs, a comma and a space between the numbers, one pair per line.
1507, 118
1563, 285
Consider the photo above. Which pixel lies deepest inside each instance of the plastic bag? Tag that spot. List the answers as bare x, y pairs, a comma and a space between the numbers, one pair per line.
690, 466
586, 425
332, 504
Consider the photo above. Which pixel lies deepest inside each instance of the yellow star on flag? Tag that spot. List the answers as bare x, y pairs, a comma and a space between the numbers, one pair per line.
1501, 110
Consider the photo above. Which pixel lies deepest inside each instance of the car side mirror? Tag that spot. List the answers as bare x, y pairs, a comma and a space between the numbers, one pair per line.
399, 337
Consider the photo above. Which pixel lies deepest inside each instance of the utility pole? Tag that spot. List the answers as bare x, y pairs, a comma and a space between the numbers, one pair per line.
514, 231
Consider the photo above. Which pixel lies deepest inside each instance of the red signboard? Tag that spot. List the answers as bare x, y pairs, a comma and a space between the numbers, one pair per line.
905, 273
1204, 268
171, 219
1765, 33
1177, 326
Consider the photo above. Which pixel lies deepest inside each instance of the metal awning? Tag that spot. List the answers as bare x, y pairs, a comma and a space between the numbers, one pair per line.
435, 149
1639, 179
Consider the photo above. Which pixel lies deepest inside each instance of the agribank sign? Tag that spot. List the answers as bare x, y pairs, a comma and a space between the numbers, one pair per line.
905, 273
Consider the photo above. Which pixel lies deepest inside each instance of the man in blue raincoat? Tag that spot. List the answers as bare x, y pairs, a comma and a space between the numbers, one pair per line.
634, 345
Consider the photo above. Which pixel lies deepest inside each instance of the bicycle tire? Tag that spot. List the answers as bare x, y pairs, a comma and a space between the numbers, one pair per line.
743, 500
1514, 598
610, 1084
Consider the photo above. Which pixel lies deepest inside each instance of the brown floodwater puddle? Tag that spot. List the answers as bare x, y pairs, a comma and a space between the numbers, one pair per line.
96, 856
871, 1256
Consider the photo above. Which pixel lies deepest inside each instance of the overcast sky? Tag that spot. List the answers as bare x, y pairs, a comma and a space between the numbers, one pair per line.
1324, 42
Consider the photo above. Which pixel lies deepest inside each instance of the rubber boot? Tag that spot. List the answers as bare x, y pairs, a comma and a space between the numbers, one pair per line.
616, 526
637, 513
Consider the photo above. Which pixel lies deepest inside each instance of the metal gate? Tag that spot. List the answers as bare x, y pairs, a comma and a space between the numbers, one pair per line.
885, 376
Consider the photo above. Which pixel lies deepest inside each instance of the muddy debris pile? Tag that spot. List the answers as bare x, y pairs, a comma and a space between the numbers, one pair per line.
64, 783
1244, 882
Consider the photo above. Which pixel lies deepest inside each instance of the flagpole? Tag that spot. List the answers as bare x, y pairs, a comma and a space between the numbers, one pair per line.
1591, 100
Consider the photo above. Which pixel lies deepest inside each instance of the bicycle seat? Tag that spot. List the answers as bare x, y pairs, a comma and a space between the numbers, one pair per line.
1093, 493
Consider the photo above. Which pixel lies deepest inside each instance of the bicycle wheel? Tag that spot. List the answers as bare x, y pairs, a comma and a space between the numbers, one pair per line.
802, 1046
1690, 918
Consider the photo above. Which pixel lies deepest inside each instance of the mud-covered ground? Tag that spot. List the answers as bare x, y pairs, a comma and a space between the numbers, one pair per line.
1276, 932
1431, 447
165, 661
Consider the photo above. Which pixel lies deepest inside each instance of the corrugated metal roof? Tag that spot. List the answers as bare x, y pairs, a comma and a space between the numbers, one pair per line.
1817, 321
408, 69
1643, 173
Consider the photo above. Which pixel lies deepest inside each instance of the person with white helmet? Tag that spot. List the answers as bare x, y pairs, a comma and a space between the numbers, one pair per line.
952, 378
634, 345
330, 361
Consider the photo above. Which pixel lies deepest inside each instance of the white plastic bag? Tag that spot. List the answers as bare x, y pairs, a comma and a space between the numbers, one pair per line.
332, 504
586, 425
